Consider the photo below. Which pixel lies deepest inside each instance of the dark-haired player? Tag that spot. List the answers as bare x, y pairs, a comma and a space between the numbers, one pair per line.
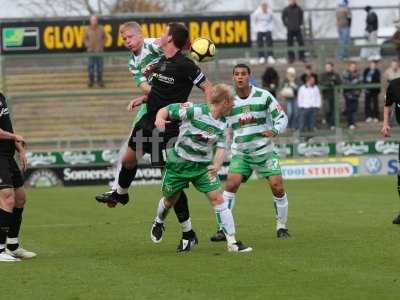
255, 120
12, 194
172, 81
392, 97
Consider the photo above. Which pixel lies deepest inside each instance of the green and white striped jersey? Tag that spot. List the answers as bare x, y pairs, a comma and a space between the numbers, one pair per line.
251, 117
141, 66
199, 134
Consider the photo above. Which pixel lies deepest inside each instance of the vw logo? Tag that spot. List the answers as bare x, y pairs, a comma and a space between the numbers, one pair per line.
373, 165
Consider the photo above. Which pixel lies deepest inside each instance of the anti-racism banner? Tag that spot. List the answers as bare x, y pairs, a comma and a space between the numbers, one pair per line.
66, 35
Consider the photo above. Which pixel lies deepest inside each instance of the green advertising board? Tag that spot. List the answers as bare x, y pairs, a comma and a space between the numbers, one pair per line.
108, 157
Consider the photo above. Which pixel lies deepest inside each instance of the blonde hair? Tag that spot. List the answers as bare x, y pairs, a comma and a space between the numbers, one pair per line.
222, 92
130, 25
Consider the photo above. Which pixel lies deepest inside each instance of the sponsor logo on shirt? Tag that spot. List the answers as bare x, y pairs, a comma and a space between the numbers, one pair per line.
243, 121
149, 69
163, 78
202, 138
185, 104
4, 111
245, 109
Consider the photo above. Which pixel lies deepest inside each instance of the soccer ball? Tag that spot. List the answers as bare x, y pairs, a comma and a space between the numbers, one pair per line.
202, 50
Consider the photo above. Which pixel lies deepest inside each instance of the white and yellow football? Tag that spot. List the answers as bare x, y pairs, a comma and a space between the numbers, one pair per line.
202, 50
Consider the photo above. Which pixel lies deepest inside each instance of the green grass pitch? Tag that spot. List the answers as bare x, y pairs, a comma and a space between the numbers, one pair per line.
343, 246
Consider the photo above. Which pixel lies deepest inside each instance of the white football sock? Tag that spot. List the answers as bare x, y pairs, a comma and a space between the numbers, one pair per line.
162, 211
121, 190
12, 241
281, 209
229, 198
186, 225
225, 220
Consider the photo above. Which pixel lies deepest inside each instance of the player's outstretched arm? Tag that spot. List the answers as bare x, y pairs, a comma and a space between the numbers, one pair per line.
385, 131
161, 118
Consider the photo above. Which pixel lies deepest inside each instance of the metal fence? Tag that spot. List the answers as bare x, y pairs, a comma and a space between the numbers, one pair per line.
220, 70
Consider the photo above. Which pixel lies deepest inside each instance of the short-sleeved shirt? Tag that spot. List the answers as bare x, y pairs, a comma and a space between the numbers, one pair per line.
172, 82
7, 147
141, 66
251, 117
199, 134
393, 96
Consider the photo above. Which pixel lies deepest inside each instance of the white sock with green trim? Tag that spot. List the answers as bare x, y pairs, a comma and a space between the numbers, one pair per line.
225, 221
229, 198
281, 210
162, 211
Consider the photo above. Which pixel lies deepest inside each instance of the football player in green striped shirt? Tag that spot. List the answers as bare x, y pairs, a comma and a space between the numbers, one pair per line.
255, 120
144, 55
197, 156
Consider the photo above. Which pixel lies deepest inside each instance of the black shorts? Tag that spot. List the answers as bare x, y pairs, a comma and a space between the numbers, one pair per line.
10, 174
146, 138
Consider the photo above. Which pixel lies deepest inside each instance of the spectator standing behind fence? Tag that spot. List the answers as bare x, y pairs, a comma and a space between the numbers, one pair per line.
372, 75
263, 22
351, 94
270, 80
288, 94
395, 39
329, 80
94, 40
308, 72
393, 71
371, 31
292, 17
309, 101
343, 22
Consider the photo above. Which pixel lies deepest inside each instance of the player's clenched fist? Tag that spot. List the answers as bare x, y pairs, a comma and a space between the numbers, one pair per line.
385, 131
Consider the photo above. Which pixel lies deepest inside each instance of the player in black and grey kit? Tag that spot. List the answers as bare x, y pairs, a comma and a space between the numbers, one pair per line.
173, 80
12, 194
392, 97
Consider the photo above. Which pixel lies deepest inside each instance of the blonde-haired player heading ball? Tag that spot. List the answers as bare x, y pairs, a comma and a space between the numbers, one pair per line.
197, 156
